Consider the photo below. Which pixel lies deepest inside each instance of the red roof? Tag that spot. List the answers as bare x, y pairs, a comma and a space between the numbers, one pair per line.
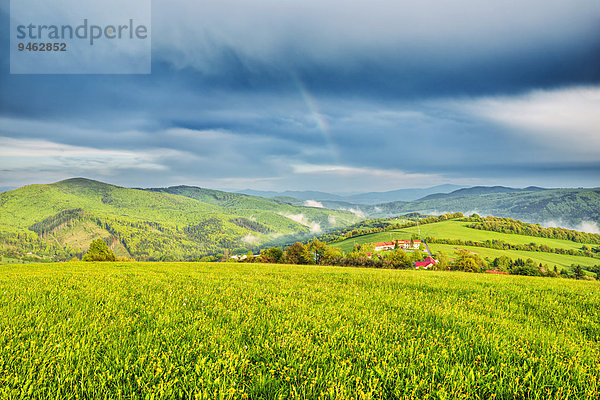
423, 263
399, 241
495, 271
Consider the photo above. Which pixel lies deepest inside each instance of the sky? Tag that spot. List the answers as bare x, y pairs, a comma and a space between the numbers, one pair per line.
324, 95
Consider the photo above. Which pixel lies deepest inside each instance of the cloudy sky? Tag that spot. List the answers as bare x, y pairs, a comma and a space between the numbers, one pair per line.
326, 95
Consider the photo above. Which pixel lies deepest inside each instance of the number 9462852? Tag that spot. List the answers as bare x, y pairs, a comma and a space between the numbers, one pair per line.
42, 46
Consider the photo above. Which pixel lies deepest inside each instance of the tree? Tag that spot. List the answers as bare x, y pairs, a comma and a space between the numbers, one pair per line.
416, 255
99, 251
317, 250
579, 274
272, 255
443, 261
297, 253
331, 256
502, 263
526, 267
564, 273
399, 259
364, 250
468, 262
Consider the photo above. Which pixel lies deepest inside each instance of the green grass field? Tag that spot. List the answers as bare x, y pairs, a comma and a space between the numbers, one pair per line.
347, 245
560, 260
458, 230
195, 330
455, 230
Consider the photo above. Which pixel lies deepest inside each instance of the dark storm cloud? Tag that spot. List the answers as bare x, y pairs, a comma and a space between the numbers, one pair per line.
269, 93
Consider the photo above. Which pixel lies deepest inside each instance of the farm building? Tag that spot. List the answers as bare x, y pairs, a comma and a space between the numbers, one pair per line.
427, 263
402, 244
495, 271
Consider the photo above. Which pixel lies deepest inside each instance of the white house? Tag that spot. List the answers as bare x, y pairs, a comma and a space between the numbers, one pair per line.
402, 244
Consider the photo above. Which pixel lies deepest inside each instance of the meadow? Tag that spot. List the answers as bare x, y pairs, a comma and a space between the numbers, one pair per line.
550, 259
199, 330
453, 229
459, 230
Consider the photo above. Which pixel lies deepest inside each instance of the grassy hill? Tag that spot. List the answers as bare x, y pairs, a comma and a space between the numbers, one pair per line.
458, 229
187, 330
564, 206
61, 220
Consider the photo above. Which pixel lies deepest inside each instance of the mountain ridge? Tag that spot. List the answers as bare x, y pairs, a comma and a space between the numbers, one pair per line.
368, 198
482, 190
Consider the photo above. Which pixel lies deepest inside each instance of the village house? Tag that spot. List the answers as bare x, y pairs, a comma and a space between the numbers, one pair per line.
427, 263
243, 257
402, 244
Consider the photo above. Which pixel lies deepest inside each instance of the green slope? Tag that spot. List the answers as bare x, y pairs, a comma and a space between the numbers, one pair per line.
459, 230
44, 219
456, 229
566, 206
453, 229
550, 259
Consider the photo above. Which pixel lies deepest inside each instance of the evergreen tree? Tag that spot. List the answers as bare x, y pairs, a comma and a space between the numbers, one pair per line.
579, 274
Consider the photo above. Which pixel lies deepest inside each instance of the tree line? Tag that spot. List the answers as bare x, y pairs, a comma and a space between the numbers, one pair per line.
512, 226
318, 253
585, 251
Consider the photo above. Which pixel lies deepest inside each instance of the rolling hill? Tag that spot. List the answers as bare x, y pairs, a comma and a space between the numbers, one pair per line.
461, 232
563, 207
560, 207
60, 220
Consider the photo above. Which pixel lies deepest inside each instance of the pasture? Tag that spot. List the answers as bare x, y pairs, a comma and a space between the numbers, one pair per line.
199, 330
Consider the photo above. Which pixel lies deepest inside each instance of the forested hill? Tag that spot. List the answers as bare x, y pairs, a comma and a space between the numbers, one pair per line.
236, 201
569, 207
61, 219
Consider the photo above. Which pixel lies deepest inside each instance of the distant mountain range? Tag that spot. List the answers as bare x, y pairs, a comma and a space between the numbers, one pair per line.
361, 198
477, 190
564, 207
186, 222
